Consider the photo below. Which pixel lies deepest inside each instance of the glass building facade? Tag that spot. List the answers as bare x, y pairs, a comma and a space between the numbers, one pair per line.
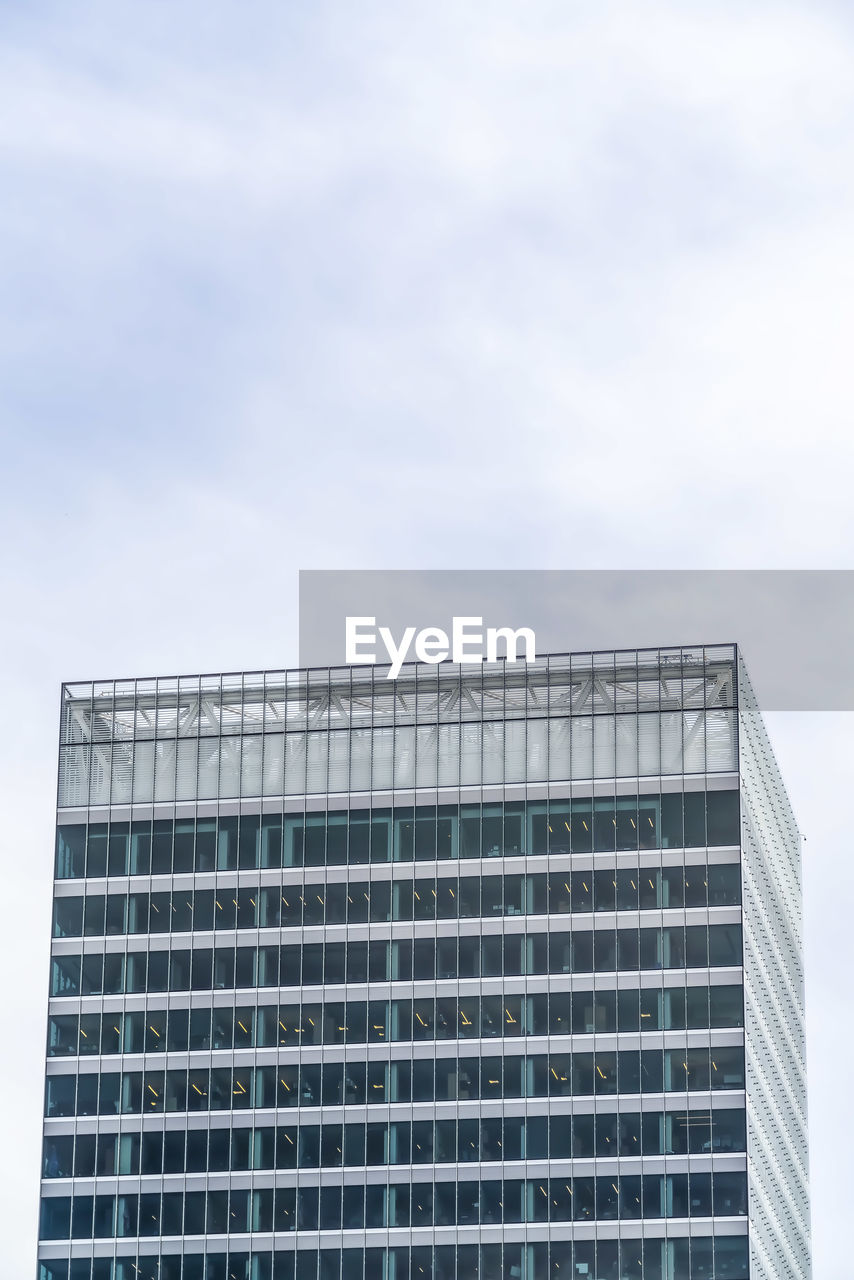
487, 971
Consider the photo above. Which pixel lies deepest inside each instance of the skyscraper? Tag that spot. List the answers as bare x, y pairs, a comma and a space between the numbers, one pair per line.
485, 971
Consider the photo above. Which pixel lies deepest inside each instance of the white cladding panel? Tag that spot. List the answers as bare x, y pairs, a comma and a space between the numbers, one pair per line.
774, 1010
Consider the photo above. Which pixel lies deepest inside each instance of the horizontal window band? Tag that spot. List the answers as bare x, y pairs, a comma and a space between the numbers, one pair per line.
491, 1077
359, 1144
464, 956
321, 903
428, 1018
631, 1259
420, 1204
356, 837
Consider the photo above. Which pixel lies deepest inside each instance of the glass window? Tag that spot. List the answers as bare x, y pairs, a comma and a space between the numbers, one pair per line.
723, 817
695, 819
724, 884
725, 944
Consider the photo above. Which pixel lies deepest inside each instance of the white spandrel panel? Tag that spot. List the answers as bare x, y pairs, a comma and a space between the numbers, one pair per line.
187, 768
143, 772
208, 776
164, 771
537, 752
382, 776
426, 755
229, 767
448, 774
273, 769
581, 756
121, 786
560, 751
493, 753
295, 779
360, 760
404, 757
251, 770
626, 746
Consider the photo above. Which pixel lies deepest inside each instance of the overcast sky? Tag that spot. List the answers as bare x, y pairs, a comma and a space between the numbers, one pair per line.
392, 285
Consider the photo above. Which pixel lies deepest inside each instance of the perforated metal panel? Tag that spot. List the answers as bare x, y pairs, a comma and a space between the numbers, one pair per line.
774, 1009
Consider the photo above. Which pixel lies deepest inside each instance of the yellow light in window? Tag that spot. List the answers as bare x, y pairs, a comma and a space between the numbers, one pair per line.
154, 908
83, 1034
219, 904
602, 1073
632, 821
566, 824
154, 1029
242, 1028
252, 900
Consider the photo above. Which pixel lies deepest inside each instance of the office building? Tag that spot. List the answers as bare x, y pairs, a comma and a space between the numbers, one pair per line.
483, 971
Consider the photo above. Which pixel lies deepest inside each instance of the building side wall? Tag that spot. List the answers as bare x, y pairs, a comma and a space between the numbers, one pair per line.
774, 1009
